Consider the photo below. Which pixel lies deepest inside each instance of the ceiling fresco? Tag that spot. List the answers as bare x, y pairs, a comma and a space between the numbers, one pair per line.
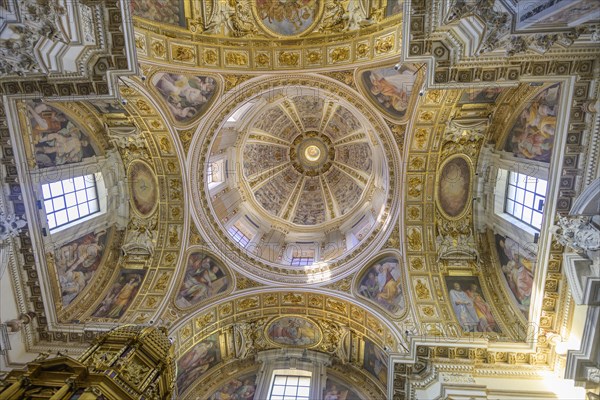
274, 179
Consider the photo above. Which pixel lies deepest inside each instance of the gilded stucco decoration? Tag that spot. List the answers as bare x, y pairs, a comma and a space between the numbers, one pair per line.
238, 180
235, 330
332, 32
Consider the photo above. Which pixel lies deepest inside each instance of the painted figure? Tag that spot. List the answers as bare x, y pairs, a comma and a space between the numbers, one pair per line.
383, 285
203, 278
532, 136
121, 294
464, 308
56, 139
185, 96
76, 263
518, 268
196, 362
294, 331
487, 323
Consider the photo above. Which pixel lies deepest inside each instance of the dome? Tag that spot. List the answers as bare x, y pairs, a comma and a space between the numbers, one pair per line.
310, 170
298, 177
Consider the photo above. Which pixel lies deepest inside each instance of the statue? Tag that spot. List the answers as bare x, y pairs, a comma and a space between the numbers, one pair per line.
10, 226
581, 233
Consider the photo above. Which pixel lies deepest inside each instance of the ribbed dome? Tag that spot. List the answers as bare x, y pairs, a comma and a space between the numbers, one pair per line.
305, 163
297, 178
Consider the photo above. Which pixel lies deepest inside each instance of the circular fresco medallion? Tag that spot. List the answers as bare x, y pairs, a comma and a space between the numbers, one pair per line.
143, 188
287, 17
294, 331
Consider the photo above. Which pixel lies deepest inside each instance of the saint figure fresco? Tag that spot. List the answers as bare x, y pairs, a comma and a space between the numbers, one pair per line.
164, 11
56, 139
453, 186
518, 266
473, 312
186, 96
532, 135
390, 89
204, 277
76, 263
287, 17
121, 294
382, 284
294, 331
241, 388
335, 390
376, 361
197, 361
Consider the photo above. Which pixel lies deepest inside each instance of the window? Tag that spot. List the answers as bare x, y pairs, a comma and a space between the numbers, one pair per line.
289, 387
238, 236
525, 198
70, 200
209, 173
302, 261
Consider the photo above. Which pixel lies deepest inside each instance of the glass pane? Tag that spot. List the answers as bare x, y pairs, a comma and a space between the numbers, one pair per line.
61, 217
303, 391
51, 221
46, 191
290, 390
280, 380
511, 192
81, 196
520, 195
536, 219
512, 178
531, 183
278, 389
68, 185
84, 209
56, 188
70, 199
522, 181
538, 203
59, 203
276, 397
518, 210
48, 206
292, 380
91, 193
527, 215
89, 180
541, 187
529, 199
303, 381
79, 182
510, 205
73, 213
94, 207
